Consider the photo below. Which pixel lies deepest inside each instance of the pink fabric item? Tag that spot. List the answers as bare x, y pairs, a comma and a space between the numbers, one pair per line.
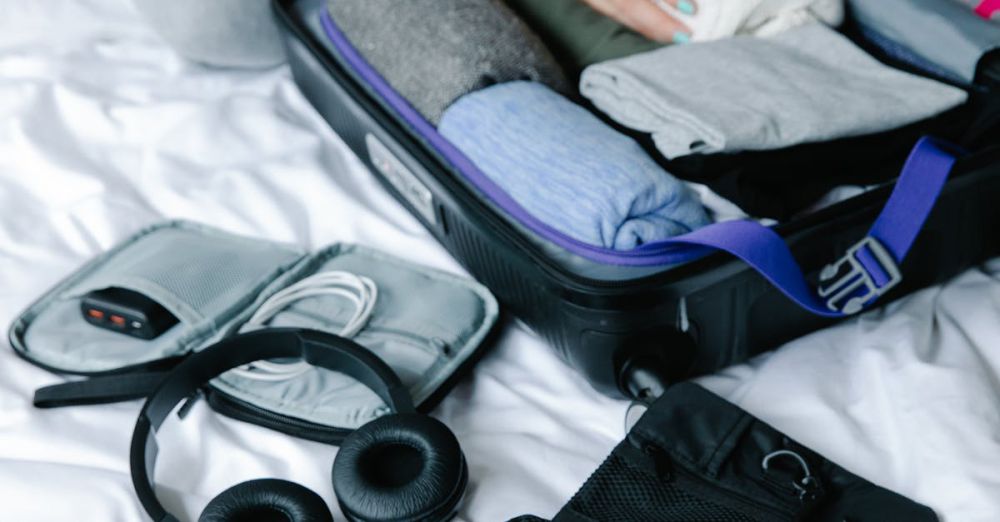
987, 8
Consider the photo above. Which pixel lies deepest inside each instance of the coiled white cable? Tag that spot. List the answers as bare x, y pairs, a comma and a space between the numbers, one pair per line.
359, 290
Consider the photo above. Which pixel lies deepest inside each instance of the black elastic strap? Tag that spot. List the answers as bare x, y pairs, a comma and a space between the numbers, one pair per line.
318, 348
99, 390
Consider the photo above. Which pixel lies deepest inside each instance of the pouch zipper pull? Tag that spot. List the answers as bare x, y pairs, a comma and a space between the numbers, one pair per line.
189, 403
808, 489
659, 461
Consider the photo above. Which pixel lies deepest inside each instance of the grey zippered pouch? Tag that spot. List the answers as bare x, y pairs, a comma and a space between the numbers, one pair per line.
427, 324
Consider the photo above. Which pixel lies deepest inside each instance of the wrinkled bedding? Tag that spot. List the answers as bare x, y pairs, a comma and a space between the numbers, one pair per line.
103, 130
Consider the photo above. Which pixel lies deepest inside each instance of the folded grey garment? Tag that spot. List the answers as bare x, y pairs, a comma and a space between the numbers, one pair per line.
225, 33
946, 33
434, 51
805, 85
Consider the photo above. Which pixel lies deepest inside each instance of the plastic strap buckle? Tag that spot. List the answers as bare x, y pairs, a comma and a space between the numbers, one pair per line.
864, 274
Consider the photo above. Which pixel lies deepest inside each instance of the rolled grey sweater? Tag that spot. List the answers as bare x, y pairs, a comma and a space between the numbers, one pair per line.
434, 51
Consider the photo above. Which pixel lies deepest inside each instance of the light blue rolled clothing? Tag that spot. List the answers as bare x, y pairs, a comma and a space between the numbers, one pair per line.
569, 169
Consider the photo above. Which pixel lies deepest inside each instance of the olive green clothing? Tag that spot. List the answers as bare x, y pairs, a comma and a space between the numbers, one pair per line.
579, 35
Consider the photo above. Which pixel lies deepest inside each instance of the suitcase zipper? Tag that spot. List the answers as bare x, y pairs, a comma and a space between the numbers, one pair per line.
340, 69
461, 190
374, 105
382, 110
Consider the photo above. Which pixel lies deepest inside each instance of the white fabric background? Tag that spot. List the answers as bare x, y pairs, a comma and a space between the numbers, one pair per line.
104, 130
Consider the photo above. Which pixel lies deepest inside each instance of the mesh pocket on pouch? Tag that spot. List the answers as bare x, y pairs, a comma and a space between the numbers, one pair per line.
202, 276
194, 275
617, 492
408, 331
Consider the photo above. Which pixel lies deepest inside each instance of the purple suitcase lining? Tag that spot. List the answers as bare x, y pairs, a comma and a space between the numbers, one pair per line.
653, 254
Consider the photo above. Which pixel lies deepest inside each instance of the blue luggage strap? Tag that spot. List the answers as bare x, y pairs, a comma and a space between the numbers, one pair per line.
872, 265
870, 268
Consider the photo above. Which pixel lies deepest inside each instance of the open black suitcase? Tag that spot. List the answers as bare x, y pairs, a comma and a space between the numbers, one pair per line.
629, 330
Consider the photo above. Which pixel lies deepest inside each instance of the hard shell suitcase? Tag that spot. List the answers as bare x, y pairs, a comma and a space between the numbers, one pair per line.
628, 329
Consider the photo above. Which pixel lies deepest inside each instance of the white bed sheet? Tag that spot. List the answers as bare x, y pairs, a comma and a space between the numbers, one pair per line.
104, 130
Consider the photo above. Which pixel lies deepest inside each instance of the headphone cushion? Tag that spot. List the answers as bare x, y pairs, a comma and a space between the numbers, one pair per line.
267, 500
400, 467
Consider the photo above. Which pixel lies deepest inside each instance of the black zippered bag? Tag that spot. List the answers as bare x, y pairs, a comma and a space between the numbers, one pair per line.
693, 457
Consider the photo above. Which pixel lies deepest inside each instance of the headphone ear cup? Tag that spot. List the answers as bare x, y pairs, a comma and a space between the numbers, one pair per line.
267, 500
400, 467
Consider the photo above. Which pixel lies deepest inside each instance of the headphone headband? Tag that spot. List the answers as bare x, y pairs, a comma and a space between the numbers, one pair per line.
317, 348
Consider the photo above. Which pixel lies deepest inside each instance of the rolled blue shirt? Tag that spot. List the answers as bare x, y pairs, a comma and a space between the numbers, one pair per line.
568, 168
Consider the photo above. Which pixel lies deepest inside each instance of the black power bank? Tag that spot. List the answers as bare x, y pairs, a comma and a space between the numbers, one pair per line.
127, 312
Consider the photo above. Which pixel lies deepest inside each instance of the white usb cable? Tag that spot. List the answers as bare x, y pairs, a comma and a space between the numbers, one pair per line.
359, 290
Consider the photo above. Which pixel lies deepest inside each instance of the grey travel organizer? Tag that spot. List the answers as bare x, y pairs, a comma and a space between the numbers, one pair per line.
428, 325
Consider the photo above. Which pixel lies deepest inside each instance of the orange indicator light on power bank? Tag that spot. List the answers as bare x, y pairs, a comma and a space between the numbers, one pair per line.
118, 320
96, 314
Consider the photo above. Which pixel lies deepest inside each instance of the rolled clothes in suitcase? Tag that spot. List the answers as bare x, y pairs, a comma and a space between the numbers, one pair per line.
693, 457
569, 169
618, 315
466, 46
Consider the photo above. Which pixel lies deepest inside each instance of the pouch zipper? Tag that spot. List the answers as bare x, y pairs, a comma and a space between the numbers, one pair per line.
712, 491
757, 510
411, 339
239, 409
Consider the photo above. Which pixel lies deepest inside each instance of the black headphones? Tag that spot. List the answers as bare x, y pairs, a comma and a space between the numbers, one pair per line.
403, 466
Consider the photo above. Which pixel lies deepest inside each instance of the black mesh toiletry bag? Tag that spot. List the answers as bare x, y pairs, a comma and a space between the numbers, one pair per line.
693, 457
